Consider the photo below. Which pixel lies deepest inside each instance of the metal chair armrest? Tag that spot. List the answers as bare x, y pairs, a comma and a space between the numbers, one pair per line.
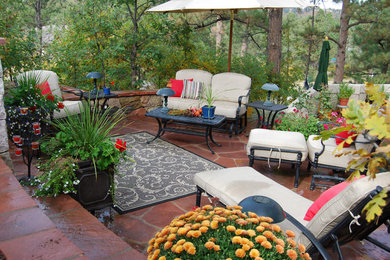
316, 243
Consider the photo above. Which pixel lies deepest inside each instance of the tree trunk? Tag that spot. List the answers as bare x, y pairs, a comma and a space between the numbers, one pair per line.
274, 41
218, 30
310, 42
343, 37
39, 25
245, 40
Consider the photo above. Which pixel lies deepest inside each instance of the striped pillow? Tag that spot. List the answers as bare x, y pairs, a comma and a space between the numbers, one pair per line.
191, 89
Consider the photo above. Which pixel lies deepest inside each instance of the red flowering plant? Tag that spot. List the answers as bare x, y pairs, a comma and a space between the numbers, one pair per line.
219, 233
31, 96
84, 137
297, 121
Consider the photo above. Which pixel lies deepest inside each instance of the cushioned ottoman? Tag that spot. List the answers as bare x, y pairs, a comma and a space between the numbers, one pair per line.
277, 146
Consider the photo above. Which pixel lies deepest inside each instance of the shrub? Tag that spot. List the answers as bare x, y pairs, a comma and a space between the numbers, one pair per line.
298, 122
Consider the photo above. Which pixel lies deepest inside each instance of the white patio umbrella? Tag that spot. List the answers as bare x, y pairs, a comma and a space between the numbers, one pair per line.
189, 6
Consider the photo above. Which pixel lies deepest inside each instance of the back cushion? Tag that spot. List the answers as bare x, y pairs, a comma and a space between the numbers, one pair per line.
228, 86
337, 208
51, 78
197, 75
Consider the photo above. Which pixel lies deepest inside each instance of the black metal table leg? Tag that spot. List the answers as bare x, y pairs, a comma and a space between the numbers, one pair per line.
211, 136
207, 133
258, 117
158, 133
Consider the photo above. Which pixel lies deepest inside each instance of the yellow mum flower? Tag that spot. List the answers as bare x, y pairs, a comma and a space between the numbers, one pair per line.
292, 254
162, 258
179, 249
260, 239
181, 242
280, 249
268, 234
266, 244
191, 250
209, 245
231, 228
240, 253
246, 247
150, 248
236, 240
168, 245
196, 233
203, 229
254, 253
214, 224
207, 207
173, 230
171, 237
196, 226
180, 223
206, 223
289, 233
217, 248
182, 231
260, 228
251, 232
187, 245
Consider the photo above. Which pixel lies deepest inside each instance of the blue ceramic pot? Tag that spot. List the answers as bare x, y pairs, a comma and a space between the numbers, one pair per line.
208, 112
107, 91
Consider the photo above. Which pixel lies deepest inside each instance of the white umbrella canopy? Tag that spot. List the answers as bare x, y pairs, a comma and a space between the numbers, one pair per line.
189, 6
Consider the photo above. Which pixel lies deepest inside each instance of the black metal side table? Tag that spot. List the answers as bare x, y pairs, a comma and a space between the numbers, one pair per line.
273, 110
93, 96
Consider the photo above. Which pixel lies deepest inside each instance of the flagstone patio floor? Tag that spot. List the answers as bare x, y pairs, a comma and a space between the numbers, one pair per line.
59, 228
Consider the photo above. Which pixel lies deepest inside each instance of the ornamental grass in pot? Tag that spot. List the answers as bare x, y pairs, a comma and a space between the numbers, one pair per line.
82, 154
219, 233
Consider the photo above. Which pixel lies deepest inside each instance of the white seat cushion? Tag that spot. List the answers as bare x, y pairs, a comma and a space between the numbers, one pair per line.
73, 108
277, 139
183, 103
228, 109
328, 158
232, 185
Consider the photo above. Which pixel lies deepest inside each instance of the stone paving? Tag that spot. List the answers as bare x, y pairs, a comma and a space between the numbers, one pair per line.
57, 227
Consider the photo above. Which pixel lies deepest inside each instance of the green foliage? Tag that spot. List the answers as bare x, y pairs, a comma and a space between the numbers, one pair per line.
318, 104
370, 118
80, 138
28, 94
297, 122
208, 95
346, 91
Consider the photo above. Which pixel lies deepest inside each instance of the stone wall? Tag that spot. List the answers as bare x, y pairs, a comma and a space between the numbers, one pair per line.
3, 127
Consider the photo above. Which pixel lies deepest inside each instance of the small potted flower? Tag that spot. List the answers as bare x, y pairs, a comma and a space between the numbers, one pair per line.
208, 96
345, 93
219, 233
82, 158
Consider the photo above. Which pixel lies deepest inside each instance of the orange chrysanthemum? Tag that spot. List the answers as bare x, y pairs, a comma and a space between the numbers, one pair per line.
280, 242
280, 249
162, 258
206, 223
182, 231
301, 248
171, 237
231, 228
236, 240
292, 254
191, 250
260, 239
179, 249
181, 242
268, 234
265, 224
275, 228
187, 245
240, 253
266, 244
168, 245
251, 232
291, 242
260, 228
217, 248
214, 224
246, 247
203, 229
289, 233
254, 253
209, 245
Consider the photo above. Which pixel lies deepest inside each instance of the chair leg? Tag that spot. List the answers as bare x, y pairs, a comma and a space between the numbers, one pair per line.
308, 166
313, 184
297, 170
251, 158
199, 191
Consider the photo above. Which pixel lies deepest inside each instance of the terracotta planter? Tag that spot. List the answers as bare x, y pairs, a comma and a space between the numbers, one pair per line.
343, 101
93, 192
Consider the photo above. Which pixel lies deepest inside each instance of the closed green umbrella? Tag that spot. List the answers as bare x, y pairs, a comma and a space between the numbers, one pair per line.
322, 76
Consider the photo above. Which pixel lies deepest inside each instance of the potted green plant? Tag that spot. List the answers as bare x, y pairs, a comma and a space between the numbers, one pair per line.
82, 157
345, 93
29, 100
208, 97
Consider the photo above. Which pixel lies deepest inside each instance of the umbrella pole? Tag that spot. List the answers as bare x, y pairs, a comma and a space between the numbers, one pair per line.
230, 39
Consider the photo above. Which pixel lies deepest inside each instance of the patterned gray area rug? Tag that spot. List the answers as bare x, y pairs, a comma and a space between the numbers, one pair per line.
161, 172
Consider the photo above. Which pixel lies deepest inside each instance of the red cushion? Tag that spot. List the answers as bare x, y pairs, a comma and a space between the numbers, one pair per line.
344, 134
44, 87
325, 197
177, 86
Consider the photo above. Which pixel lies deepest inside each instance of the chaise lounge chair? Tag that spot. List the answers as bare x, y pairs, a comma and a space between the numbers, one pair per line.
331, 225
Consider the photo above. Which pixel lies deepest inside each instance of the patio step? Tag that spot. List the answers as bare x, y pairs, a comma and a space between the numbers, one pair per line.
52, 228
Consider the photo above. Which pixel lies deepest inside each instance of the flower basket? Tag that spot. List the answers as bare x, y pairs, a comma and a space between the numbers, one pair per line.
219, 233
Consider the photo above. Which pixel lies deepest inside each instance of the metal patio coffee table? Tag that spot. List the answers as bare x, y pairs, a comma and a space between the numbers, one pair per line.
164, 118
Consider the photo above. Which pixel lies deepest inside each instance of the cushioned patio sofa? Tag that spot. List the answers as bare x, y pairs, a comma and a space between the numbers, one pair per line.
231, 92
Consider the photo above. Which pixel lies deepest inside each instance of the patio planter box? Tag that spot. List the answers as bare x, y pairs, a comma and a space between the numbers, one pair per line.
93, 192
